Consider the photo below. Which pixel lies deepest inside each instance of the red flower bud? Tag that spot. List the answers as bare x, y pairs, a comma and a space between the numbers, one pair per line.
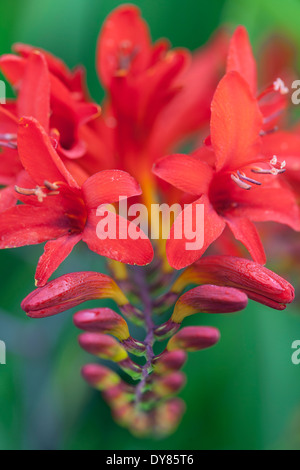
169, 384
169, 361
100, 377
105, 320
194, 338
70, 290
102, 320
258, 282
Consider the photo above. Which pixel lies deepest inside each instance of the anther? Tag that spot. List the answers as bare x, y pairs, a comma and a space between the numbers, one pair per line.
51, 186
280, 86
38, 192
269, 131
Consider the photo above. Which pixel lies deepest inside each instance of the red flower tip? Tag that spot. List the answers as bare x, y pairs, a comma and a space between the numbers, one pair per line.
259, 283
170, 361
194, 338
70, 290
209, 299
102, 320
100, 377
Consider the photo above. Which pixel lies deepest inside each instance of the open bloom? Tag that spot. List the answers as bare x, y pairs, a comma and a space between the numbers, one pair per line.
220, 175
60, 211
44, 94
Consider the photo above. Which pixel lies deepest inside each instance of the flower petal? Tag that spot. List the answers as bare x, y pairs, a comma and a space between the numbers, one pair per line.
56, 251
185, 173
38, 155
235, 124
273, 201
241, 59
107, 187
26, 225
117, 243
245, 231
178, 253
34, 97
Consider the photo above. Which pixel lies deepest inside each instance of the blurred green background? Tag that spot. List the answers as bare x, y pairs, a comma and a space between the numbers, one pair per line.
244, 393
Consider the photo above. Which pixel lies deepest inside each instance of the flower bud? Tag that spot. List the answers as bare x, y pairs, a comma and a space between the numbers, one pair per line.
205, 299
168, 416
259, 283
70, 290
100, 377
169, 385
169, 361
103, 346
106, 347
105, 320
102, 320
194, 338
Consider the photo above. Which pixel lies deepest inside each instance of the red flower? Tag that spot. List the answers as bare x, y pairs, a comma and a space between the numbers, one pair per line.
62, 212
218, 173
42, 95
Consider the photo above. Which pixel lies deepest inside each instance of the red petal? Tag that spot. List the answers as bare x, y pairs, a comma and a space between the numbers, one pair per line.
244, 231
38, 155
273, 201
56, 251
241, 59
108, 187
185, 172
197, 85
34, 97
8, 198
12, 68
178, 255
123, 29
119, 246
26, 225
235, 124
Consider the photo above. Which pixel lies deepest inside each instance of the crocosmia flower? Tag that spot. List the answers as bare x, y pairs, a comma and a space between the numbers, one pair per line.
178, 135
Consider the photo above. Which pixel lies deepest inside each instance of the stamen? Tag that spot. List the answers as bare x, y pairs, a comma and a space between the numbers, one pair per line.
269, 131
10, 145
280, 86
270, 171
243, 177
240, 183
126, 56
51, 186
38, 192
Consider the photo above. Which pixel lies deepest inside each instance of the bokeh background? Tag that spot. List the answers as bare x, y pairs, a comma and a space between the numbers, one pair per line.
244, 393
